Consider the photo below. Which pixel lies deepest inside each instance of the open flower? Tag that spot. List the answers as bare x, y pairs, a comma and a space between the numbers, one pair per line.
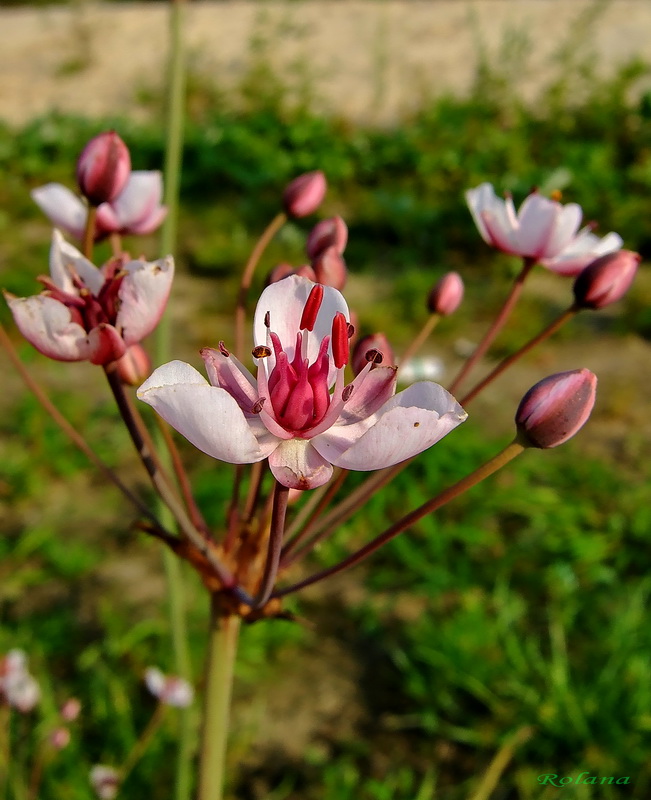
542, 229
169, 689
18, 687
86, 313
298, 412
136, 210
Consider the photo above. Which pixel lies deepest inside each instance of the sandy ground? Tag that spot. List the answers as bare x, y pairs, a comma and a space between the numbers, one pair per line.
367, 59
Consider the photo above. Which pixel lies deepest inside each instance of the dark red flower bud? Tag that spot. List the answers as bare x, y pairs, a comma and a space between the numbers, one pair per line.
447, 295
606, 280
304, 194
552, 411
103, 168
375, 343
331, 232
330, 268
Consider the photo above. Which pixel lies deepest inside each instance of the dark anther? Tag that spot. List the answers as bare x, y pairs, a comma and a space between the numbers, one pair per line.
351, 331
347, 391
256, 408
267, 320
223, 350
375, 356
261, 351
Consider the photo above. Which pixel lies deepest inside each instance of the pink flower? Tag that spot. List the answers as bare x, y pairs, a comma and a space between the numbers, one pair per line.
168, 688
298, 412
86, 313
445, 298
606, 280
304, 194
105, 781
542, 229
136, 210
18, 687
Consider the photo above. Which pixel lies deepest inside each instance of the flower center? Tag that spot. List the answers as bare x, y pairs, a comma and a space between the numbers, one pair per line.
299, 391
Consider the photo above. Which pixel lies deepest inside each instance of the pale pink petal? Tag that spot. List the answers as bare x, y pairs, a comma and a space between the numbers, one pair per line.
498, 229
537, 219
369, 394
206, 415
138, 208
62, 207
155, 681
229, 373
285, 301
567, 224
66, 261
481, 199
46, 324
143, 296
586, 247
296, 464
407, 424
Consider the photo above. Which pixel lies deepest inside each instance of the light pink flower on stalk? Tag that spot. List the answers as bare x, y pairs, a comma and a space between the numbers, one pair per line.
136, 210
298, 413
17, 686
91, 314
168, 688
542, 229
105, 781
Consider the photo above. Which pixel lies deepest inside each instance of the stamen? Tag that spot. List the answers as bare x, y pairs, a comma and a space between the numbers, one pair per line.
340, 340
223, 350
351, 331
267, 320
261, 351
312, 306
374, 356
348, 390
256, 408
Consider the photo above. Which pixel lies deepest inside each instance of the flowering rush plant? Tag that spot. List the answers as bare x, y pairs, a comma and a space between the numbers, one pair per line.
288, 415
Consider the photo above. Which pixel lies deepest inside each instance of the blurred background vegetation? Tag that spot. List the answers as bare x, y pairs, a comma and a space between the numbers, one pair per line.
521, 610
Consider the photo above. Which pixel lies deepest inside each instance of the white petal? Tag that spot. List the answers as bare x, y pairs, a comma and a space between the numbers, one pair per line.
46, 324
567, 224
407, 424
138, 199
63, 208
296, 464
143, 296
538, 217
285, 301
206, 415
66, 260
155, 681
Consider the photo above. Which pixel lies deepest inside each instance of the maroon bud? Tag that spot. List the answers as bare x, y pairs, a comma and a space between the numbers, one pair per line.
376, 342
331, 232
103, 168
606, 280
283, 270
304, 194
134, 366
447, 295
555, 409
330, 268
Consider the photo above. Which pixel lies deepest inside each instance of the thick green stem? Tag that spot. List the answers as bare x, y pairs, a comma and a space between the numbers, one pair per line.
220, 664
173, 157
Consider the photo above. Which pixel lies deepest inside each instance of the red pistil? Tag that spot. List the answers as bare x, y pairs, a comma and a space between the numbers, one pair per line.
312, 306
340, 340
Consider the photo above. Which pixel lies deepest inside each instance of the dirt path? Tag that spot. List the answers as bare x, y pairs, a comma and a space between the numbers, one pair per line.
366, 60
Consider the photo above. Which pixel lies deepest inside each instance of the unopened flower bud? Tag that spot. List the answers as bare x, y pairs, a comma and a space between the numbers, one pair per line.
103, 168
304, 194
375, 343
70, 710
447, 295
552, 411
134, 366
283, 269
606, 280
330, 268
332, 232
